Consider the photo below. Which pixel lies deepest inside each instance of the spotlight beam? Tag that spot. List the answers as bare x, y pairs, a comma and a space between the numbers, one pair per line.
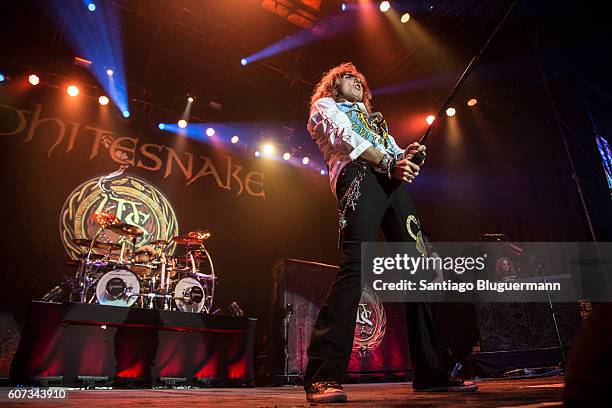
96, 37
326, 28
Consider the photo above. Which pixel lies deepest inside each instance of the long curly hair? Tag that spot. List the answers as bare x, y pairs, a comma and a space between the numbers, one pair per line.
328, 87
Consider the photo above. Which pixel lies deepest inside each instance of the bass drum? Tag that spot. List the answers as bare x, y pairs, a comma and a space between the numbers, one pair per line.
119, 287
189, 295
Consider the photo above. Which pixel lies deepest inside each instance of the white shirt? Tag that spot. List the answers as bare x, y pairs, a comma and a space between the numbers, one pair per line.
331, 129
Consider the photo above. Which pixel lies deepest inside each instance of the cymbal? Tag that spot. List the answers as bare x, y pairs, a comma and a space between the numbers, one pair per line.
86, 242
127, 230
199, 234
186, 240
107, 246
105, 219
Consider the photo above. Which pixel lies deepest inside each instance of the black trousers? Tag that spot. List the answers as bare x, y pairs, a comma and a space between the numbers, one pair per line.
383, 203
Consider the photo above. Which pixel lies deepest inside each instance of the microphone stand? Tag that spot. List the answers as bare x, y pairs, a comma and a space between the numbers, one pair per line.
418, 157
539, 265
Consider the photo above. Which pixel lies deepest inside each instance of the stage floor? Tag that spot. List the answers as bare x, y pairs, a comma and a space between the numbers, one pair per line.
507, 393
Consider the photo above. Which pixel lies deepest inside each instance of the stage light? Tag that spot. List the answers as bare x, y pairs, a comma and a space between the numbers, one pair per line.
91, 7
305, 160
235, 139
190, 99
34, 79
430, 119
286, 156
210, 132
268, 149
2, 77
244, 62
82, 61
472, 102
182, 123
126, 114
322, 172
450, 112
72, 90
405, 18
161, 126
96, 37
103, 100
257, 154
384, 6
343, 7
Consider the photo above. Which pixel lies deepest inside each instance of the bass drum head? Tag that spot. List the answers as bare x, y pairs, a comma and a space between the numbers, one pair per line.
115, 287
189, 295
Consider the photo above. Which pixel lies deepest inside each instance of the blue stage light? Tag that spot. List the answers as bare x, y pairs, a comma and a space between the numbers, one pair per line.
244, 62
326, 28
95, 37
161, 126
126, 114
2, 78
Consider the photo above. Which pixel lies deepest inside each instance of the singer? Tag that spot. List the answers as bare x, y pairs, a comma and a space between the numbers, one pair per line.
368, 175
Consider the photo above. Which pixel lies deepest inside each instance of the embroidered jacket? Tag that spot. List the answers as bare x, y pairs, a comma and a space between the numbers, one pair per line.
343, 131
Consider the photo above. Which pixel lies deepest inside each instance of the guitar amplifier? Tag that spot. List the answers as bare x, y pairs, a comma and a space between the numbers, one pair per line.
299, 288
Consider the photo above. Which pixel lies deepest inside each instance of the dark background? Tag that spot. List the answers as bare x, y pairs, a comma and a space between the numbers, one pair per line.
500, 167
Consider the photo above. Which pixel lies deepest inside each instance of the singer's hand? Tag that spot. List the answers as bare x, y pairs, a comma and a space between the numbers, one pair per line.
405, 170
413, 148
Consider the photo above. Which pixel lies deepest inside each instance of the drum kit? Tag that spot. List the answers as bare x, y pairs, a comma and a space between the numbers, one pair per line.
123, 274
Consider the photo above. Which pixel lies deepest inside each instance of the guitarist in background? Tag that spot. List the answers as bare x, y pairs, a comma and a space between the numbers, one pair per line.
368, 173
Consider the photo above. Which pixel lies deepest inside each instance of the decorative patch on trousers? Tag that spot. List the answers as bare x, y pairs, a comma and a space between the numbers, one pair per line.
349, 199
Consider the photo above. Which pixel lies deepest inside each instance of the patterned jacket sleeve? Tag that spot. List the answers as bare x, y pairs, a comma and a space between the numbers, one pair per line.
328, 122
398, 151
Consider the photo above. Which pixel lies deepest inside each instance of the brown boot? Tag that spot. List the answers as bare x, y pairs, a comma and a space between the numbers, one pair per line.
325, 392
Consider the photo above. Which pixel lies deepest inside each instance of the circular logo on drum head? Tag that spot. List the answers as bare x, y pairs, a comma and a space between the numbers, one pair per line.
115, 287
132, 199
195, 294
